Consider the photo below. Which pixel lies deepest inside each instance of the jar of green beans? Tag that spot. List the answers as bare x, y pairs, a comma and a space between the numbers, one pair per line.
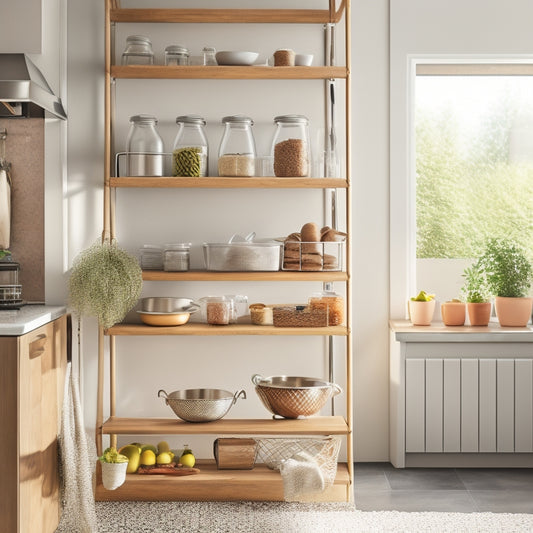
190, 151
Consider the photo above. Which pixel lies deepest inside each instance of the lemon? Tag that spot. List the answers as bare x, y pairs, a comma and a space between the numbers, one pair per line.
187, 459
147, 457
163, 458
163, 446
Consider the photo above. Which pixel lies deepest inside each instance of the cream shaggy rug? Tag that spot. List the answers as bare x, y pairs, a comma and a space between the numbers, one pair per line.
260, 517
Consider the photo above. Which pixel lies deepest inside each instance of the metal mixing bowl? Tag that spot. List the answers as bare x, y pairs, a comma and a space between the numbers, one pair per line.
294, 396
201, 405
161, 304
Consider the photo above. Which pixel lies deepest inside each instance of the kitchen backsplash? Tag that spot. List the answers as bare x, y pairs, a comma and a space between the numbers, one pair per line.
25, 152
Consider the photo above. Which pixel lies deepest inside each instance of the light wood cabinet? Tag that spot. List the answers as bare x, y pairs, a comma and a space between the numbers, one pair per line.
32, 371
259, 483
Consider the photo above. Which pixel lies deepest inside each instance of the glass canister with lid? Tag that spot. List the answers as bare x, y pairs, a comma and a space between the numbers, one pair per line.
190, 151
138, 51
145, 147
333, 302
290, 147
176, 54
176, 257
236, 154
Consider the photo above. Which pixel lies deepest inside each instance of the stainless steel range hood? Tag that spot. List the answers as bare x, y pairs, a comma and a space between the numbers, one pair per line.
22, 84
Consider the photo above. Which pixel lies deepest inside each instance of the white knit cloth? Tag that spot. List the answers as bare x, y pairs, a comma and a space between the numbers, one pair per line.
77, 465
301, 475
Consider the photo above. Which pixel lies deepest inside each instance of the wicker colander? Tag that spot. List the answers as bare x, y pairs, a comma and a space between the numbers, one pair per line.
293, 396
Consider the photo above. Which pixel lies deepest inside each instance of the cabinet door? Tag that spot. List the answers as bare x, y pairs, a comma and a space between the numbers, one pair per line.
41, 368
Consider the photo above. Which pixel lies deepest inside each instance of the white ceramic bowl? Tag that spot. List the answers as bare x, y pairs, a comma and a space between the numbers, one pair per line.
236, 58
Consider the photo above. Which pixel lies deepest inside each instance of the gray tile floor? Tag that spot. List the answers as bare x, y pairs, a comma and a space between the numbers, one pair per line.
381, 487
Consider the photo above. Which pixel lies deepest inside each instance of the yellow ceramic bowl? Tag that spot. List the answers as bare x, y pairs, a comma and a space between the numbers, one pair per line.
164, 319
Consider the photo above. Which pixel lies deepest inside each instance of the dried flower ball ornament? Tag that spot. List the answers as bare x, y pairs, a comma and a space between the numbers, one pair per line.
105, 282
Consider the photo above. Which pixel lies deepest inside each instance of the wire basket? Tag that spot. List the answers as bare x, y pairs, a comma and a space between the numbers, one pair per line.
325, 450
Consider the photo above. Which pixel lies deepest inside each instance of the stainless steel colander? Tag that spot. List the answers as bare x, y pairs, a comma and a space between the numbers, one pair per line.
201, 405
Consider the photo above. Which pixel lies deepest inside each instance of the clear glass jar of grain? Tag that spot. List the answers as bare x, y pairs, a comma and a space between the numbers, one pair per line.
236, 154
138, 51
145, 147
176, 55
190, 152
291, 150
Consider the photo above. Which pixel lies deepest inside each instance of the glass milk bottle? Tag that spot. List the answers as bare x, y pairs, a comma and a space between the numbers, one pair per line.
290, 146
144, 147
236, 155
190, 152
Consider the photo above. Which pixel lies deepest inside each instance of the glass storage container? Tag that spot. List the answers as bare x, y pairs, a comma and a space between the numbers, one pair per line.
138, 51
236, 154
176, 257
217, 310
144, 147
334, 303
151, 257
209, 56
190, 151
176, 54
290, 146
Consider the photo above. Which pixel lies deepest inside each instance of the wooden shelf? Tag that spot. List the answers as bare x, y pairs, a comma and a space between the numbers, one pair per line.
192, 328
240, 16
259, 484
258, 72
315, 425
281, 275
229, 183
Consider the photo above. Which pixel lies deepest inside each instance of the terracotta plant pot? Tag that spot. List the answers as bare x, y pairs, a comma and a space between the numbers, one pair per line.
513, 312
421, 313
479, 313
453, 313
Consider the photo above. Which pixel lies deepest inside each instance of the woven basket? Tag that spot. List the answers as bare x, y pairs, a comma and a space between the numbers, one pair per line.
325, 450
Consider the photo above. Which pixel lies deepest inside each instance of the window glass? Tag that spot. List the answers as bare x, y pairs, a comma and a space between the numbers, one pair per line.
474, 169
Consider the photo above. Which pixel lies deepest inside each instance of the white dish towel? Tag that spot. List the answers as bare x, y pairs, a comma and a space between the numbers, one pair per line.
301, 475
5, 210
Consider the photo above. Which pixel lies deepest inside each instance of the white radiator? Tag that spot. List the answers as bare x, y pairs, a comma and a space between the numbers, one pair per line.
468, 405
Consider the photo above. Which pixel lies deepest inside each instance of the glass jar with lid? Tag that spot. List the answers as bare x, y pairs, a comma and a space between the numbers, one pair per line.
333, 302
190, 151
138, 51
236, 154
151, 257
209, 54
176, 54
176, 257
290, 146
145, 147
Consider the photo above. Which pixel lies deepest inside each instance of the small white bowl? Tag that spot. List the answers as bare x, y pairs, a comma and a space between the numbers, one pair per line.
236, 58
303, 60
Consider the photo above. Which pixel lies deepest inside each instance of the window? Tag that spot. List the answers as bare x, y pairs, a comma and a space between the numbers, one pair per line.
474, 165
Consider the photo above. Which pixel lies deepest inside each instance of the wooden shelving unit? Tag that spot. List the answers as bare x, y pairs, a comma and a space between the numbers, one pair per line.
260, 483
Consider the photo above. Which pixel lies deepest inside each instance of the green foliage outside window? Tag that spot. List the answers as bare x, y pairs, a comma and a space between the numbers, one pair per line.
470, 191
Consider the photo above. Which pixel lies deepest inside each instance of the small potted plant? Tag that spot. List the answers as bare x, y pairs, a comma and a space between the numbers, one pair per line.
477, 296
453, 312
114, 466
421, 309
509, 276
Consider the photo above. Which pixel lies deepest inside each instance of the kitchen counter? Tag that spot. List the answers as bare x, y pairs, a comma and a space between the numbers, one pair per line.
404, 331
28, 318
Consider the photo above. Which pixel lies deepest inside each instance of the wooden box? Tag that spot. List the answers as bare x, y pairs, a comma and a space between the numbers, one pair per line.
235, 453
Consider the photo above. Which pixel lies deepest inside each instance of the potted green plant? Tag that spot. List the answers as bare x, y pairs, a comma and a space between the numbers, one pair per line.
421, 309
114, 466
509, 275
476, 293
